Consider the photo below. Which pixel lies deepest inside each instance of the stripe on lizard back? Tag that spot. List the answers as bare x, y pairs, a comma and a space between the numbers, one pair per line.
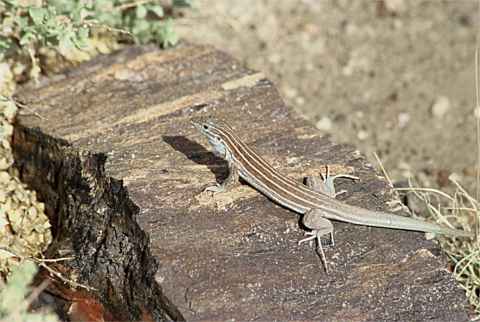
227, 132
251, 156
258, 167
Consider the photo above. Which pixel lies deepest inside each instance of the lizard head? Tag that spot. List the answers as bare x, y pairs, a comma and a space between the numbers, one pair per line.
216, 131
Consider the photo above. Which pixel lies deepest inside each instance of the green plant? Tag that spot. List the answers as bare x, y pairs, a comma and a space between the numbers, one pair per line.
43, 26
65, 25
16, 296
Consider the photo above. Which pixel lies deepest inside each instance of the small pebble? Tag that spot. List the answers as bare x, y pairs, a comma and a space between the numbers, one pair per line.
359, 114
403, 119
290, 92
324, 124
476, 112
275, 58
299, 100
395, 6
441, 106
362, 135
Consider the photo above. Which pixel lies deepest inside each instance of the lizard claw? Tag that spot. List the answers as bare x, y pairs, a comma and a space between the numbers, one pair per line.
316, 234
312, 235
215, 189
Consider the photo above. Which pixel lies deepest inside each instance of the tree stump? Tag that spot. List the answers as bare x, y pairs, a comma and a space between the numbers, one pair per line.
111, 151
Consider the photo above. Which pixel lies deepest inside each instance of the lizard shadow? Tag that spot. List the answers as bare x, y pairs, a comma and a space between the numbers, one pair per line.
198, 154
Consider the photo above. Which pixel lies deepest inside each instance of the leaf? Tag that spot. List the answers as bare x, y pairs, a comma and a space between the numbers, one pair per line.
77, 15
13, 304
65, 42
141, 12
17, 287
81, 39
13, 3
83, 33
22, 22
168, 37
158, 10
27, 38
182, 3
37, 14
40, 317
51, 12
5, 43
140, 26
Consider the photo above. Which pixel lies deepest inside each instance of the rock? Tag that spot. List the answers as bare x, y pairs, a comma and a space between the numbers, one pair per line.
403, 119
362, 135
395, 6
324, 124
441, 106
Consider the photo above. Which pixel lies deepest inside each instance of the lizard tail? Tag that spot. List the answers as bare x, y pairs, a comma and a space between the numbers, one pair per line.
366, 217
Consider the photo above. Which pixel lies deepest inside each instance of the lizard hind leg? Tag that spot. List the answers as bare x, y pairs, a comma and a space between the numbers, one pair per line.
320, 226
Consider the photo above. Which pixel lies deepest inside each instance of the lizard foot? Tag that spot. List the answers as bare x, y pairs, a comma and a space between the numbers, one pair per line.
216, 188
317, 234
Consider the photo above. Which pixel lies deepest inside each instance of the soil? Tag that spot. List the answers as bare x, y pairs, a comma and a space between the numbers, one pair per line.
395, 77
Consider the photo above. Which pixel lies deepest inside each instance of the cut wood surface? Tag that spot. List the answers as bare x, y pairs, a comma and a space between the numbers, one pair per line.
233, 255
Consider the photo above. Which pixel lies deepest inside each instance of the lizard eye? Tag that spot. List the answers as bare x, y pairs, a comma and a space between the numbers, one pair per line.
205, 127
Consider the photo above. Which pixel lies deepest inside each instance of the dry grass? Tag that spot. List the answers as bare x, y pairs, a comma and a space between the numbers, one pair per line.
461, 211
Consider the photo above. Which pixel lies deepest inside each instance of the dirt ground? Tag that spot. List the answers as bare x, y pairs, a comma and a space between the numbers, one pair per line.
395, 77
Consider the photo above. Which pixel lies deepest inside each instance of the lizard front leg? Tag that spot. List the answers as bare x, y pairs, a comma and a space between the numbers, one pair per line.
228, 183
326, 184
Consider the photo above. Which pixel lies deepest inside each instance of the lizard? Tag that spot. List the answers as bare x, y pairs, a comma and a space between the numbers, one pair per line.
315, 200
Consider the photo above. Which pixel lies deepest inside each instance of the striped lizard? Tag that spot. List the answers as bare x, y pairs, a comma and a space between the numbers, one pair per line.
315, 201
